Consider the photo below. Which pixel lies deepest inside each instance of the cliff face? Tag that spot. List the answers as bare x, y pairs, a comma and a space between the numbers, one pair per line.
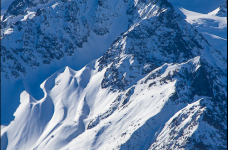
159, 84
37, 33
223, 9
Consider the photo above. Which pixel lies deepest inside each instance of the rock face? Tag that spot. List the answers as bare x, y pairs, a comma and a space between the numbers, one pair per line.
223, 9
160, 85
212, 25
34, 34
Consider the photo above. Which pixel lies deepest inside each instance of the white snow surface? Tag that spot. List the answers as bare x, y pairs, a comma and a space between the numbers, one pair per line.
71, 110
76, 113
203, 15
194, 17
201, 6
91, 49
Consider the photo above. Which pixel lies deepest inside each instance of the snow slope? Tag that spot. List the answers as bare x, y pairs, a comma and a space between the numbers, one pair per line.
60, 39
201, 6
211, 22
207, 22
77, 113
159, 85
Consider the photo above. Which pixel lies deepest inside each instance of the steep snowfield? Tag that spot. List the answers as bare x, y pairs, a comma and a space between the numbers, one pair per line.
200, 6
77, 113
193, 17
60, 39
64, 38
158, 84
211, 22
211, 26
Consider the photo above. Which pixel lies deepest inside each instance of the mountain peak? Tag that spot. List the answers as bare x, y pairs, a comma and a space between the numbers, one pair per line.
124, 74
223, 9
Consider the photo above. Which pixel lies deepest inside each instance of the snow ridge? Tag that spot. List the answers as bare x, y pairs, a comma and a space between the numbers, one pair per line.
157, 84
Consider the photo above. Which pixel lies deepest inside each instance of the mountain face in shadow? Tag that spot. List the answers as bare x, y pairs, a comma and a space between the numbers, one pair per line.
125, 74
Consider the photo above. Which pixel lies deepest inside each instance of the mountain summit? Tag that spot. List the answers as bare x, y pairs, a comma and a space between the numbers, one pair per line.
152, 81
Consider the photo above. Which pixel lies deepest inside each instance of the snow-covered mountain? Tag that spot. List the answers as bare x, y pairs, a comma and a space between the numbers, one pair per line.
152, 80
49, 36
212, 24
222, 10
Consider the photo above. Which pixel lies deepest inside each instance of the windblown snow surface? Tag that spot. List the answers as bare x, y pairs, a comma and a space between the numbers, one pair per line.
211, 23
152, 81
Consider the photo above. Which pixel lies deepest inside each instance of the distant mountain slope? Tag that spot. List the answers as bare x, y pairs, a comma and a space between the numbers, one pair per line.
212, 24
200, 6
223, 9
51, 35
159, 85
41, 33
